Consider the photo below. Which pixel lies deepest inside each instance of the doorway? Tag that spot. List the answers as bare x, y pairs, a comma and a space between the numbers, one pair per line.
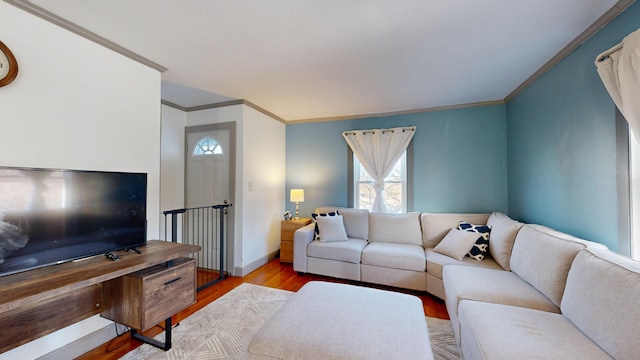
209, 180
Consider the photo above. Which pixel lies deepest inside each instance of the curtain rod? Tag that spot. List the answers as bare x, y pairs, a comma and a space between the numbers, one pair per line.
383, 131
605, 55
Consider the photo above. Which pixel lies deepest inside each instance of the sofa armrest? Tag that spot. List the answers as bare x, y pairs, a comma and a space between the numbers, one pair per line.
301, 238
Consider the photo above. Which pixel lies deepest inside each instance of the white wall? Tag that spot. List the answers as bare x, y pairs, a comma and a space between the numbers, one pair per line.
76, 105
172, 160
264, 167
260, 160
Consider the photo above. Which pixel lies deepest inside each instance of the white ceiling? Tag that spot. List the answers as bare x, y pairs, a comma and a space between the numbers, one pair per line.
305, 59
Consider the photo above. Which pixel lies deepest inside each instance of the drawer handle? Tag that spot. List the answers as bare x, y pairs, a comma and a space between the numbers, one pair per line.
172, 281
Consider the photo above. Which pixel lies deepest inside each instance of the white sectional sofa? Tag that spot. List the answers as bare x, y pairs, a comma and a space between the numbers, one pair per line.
598, 316
538, 293
397, 250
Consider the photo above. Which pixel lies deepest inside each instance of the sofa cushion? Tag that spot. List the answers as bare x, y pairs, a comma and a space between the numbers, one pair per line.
331, 228
492, 285
543, 259
436, 225
456, 243
436, 261
565, 236
481, 245
489, 285
356, 221
494, 331
503, 235
393, 255
349, 251
602, 298
395, 228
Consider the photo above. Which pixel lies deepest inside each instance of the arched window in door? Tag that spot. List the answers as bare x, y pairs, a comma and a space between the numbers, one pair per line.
207, 146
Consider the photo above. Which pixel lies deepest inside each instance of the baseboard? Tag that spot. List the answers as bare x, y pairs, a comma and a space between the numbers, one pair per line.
82, 345
252, 266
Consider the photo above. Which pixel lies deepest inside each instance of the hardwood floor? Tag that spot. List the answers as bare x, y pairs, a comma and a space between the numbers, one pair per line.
275, 275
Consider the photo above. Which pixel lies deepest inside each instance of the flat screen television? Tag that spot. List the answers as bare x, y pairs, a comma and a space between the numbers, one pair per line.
53, 216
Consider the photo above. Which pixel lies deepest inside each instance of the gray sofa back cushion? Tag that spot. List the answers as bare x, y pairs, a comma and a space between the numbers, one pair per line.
436, 225
503, 234
542, 257
395, 228
602, 298
356, 221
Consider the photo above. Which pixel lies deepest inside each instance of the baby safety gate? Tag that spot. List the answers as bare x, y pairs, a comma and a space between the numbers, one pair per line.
207, 227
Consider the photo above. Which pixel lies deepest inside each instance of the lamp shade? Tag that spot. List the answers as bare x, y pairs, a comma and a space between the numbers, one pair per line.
296, 195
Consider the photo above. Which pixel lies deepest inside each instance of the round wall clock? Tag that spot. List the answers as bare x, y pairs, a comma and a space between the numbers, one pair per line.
8, 65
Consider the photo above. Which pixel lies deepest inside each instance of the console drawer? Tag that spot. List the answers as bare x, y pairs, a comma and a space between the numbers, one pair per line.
143, 299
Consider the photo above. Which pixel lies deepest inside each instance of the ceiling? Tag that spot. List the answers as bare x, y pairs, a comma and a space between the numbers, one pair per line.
311, 59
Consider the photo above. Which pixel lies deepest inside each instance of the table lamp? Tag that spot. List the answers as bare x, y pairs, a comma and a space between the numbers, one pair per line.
297, 196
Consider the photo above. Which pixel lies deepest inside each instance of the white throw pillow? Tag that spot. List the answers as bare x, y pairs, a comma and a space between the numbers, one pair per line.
331, 228
456, 243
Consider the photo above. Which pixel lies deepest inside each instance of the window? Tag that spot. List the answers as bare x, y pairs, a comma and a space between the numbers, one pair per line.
207, 146
395, 187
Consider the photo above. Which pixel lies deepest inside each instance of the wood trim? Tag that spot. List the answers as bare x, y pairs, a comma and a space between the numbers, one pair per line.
79, 30
264, 111
173, 105
410, 183
224, 104
394, 113
623, 180
215, 105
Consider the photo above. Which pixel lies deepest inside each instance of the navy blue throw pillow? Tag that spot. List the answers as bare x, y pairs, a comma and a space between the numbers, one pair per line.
481, 247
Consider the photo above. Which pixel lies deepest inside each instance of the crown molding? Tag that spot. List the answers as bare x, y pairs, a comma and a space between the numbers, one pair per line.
334, 118
394, 113
173, 105
79, 30
215, 105
265, 111
224, 104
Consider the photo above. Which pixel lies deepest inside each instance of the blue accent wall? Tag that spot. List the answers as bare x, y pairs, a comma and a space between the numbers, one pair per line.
546, 157
459, 159
562, 144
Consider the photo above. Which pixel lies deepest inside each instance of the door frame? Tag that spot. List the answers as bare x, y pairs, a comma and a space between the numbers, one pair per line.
231, 219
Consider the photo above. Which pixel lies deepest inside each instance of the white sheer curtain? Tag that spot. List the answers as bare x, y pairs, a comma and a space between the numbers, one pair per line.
619, 69
378, 150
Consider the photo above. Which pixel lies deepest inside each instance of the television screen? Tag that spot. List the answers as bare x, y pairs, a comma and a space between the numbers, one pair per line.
53, 216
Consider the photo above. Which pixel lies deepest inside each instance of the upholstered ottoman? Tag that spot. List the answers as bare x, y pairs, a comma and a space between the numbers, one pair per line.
337, 321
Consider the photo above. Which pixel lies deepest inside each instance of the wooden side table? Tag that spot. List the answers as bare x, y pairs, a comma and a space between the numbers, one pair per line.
287, 228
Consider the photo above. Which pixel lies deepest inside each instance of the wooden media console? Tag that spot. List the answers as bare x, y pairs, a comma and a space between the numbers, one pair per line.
38, 302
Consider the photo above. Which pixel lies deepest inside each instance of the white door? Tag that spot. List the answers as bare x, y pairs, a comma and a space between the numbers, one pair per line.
207, 168
208, 155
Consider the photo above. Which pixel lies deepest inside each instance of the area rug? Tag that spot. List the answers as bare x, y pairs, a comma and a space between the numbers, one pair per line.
224, 328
